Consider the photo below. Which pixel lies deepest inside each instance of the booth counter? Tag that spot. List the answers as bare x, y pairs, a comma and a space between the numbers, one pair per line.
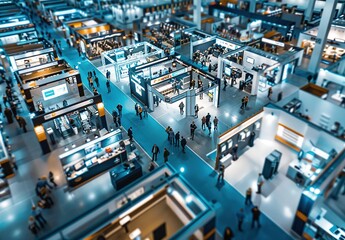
89, 160
122, 59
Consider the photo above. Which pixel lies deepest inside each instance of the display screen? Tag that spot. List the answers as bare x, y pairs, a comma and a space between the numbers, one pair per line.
227, 71
250, 60
54, 92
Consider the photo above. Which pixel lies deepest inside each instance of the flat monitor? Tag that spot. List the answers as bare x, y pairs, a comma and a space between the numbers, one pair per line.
54, 92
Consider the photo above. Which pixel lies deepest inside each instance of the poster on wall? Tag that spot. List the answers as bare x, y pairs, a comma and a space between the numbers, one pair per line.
54, 92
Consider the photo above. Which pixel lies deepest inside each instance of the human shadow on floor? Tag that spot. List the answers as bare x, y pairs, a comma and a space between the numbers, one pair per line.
220, 184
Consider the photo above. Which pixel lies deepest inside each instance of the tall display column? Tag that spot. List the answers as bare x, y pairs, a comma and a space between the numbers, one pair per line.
101, 114
321, 39
150, 98
42, 138
252, 6
308, 13
190, 102
197, 13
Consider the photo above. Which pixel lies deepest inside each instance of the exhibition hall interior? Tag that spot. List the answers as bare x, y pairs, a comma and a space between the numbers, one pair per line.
183, 119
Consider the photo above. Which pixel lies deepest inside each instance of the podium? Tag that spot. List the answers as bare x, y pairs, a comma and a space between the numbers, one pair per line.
271, 164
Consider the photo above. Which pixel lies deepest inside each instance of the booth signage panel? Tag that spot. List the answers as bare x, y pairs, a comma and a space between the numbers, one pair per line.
68, 109
269, 41
54, 92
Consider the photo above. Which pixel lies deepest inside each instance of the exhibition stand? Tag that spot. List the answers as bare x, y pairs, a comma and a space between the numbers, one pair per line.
46, 6
42, 94
164, 33
38, 52
122, 59
95, 39
5, 162
93, 158
8, 8
334, 48
257, 69
302, 104
64, 14
65, 120
17, 30
237, 25
72, 26
135, 211
172, 80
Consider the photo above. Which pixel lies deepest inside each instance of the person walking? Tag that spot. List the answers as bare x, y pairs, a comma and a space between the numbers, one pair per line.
221, 173
171, 136
192, 129
90, 81
209, 126
115, 120
155, 151
181, 106
13, 109
9, 116
107, 74
248, 200
166, 154
203, 123
108, 86
196, 109
240, 218
177, 139
51, 178
130, 134
260, 182
243, 102
215, 123
94, 73
96, 81
234, 151
37, 213
145, 110
246, 100
256, 216
228, 234
22, 123
45, 195
119, 109
140, 111
225, 84
33, 226
269, 93
342, 103
136, 107
95, 92
183, 144
208, 118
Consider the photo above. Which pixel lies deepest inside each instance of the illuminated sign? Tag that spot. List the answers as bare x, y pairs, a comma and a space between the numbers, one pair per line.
68, 109
269, 41
54, 92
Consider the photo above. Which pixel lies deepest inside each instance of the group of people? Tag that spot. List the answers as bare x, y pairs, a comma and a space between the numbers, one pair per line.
206, 122
139, 111
117, 115
244, 102
176, 138
43, 191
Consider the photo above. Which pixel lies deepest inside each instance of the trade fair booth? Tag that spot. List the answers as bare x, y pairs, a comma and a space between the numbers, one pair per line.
26, 56
246, 27
135, 212
290, 152
173, 81
95, 39
72, 26
65, 14
334, 48
165, 33
8, 8
333, 78
120, 60
47, 6
257, 69
17, 30
43, 93
62, 124
85, 162
302, 104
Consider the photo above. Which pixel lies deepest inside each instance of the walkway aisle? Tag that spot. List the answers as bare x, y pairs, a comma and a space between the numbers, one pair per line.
148, 132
